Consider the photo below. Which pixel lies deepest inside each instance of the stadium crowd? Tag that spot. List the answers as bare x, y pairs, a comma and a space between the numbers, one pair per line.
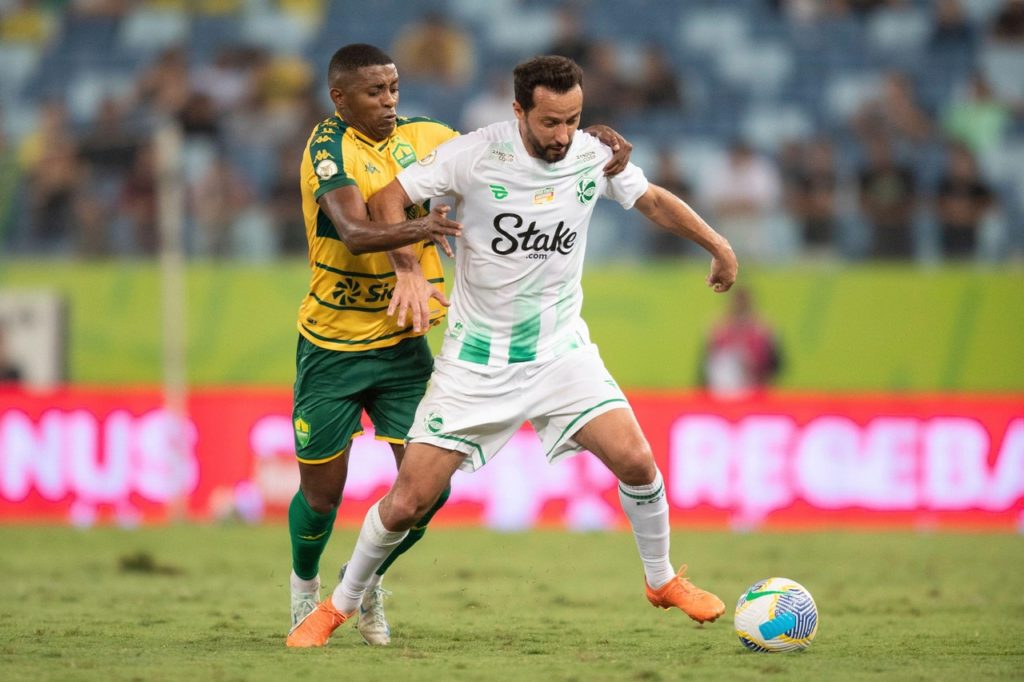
853, 129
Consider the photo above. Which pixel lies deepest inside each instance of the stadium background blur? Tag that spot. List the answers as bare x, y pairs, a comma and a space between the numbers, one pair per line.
866, 158
818, 89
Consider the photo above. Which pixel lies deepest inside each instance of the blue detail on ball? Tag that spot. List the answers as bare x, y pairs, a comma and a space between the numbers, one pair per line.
799, 605
778, 625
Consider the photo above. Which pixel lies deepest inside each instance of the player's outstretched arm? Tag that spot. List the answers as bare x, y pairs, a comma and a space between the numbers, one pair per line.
620, 146
673, 214
412, 292
346, 209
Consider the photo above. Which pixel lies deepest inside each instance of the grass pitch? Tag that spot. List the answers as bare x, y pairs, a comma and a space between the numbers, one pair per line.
210, 603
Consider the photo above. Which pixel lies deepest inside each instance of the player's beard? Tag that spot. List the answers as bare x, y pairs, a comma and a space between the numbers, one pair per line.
550, 153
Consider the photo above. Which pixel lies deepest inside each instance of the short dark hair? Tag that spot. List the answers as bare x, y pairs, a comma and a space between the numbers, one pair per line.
559, 74
355, 56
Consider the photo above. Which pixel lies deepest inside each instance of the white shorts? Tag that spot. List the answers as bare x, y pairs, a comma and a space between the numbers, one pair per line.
475, 409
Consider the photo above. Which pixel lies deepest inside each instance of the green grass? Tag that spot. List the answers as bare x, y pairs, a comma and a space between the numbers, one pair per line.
210, 603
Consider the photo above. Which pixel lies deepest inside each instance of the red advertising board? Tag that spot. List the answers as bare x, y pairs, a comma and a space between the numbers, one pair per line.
788, 460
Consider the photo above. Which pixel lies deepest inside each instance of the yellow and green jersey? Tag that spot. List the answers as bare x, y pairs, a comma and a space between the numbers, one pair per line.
346, 307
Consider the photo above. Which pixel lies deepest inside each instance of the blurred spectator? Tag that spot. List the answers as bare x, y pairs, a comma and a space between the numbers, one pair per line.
55, 176
10, 372
570, 40
978, 119
742, 354
658, 85
284, 196
220, 198
435, 50
963, 202
137, 205
664, 244
1008, 23
491, 104
27, 21
893, 113
609, 96
888, 198
229, 77
812, 188
163, 87
951, 30
743, 192
108, 145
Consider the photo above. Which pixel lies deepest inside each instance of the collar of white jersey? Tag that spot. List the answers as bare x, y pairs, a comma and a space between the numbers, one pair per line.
541, 164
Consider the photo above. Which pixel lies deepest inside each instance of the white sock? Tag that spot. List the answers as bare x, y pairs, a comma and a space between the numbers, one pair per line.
300, 585
374, 545
374, 582
647, 510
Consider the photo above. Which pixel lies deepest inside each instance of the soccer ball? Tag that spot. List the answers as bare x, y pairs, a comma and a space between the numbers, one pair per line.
776, 614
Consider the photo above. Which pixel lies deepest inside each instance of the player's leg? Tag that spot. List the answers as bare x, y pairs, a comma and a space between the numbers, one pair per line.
425, 472
616, 439
311, 517
400, 380
325, 419
419, 528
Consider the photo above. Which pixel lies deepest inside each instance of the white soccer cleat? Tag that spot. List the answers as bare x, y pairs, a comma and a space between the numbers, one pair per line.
372, 625
303, 603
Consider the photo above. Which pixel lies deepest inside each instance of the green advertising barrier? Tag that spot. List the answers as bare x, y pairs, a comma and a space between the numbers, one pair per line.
859, 328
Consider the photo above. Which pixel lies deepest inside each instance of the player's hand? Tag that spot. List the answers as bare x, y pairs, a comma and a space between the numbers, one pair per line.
724, 269
620, 146
440, 228
412, 296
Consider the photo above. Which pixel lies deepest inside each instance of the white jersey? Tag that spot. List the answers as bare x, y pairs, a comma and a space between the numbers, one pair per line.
517, 294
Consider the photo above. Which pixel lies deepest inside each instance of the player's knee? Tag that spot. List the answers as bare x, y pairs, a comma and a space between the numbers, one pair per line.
405, 508
322, 502
637, 466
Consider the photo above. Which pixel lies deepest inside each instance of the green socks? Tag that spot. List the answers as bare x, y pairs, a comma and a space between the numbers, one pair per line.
415, 533
310, 532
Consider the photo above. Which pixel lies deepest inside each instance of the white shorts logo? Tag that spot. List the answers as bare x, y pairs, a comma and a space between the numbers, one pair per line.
434, 422
326, 169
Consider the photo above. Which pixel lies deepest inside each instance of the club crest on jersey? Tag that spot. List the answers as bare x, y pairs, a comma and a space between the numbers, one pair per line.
586, 189
326, 169
301, 431
544, 196
404, 154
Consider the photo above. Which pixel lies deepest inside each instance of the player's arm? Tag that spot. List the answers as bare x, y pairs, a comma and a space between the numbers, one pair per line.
673, 214
412, 292
345, 207
620, 146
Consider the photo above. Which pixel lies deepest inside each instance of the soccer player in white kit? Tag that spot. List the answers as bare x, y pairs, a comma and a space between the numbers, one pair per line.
516, 348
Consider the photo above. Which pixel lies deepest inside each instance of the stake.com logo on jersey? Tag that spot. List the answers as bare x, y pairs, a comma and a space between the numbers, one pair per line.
534, 242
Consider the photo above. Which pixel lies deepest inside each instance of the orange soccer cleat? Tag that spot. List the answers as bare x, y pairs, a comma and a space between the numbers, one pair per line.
316, 628
681, 593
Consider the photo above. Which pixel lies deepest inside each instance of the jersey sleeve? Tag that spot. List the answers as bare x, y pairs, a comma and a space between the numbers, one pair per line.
441, 172
325, 156
627, 186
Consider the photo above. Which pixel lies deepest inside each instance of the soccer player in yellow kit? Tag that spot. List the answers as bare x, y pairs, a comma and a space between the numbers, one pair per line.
351, 355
